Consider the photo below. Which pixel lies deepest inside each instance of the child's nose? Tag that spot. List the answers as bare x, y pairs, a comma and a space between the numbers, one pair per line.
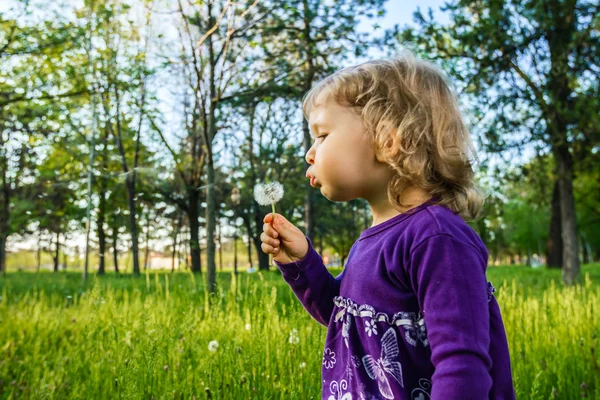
310, 154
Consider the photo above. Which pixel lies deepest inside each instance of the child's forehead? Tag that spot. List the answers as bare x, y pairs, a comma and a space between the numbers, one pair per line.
323, 104
319, 115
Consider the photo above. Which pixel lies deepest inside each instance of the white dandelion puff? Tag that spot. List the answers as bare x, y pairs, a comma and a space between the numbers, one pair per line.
213, 346
294, 339
248, 327
268, 193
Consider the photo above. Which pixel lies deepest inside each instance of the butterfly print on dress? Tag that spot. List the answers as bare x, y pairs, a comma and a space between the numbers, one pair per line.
387, 364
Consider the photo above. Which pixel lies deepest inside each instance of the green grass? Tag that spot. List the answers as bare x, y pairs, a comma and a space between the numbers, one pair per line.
148, 337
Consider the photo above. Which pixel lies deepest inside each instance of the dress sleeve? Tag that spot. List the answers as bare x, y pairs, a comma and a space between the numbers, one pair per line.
312, 284
448, 276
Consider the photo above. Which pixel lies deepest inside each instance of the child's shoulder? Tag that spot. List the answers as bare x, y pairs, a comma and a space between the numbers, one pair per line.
437, 220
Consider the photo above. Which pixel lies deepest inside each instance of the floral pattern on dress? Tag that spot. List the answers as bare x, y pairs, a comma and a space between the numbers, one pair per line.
413, 323
370, 328
329, 358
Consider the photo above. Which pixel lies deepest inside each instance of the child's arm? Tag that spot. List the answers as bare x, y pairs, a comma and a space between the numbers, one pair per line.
448, 276
301, 265
312, 283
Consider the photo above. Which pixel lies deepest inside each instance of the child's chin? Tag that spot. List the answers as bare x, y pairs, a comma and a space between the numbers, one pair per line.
335, 197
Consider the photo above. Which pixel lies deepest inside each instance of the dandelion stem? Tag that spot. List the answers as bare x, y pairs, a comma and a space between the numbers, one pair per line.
272, 223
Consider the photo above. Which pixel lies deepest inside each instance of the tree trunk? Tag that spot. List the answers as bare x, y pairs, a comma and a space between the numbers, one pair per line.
570, 271
3, 254
235, 260
56, 252
130, 183
211, 267
4, 211
560, 38
147, 242
101, 234
194, 230
210, 190
38, 258
220, 247
263, 258
588, 248
554, 244
175, 251
102, 208
115, 238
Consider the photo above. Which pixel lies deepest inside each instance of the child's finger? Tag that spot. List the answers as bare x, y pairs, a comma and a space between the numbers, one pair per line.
269, 240
268, 229
268, 249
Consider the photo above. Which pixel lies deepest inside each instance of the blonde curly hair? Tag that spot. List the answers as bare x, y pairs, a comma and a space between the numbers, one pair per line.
412, 113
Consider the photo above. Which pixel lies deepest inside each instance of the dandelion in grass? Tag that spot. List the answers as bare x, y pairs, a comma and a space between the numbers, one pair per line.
294, 339
268, 193
213, 346
248, 327
302, 365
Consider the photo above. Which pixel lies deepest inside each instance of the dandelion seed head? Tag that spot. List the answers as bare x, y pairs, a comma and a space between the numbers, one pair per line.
213, 346
266, 194
294, 339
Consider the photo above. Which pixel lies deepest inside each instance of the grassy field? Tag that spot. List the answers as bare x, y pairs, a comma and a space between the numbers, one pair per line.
156, 336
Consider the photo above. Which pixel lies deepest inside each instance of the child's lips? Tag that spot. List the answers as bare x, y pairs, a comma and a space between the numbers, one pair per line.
313, 180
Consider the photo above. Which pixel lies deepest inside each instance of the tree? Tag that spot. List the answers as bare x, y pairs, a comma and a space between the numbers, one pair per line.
56, 196
208, 77
121, 81
36, 59
528, 70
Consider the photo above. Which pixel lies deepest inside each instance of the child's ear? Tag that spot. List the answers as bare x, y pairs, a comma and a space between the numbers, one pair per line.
389, 145
388, 148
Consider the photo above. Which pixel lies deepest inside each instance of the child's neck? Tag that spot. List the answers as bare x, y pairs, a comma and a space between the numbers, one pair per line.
382, 209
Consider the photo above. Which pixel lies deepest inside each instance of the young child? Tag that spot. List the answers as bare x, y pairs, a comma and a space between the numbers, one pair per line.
412, 315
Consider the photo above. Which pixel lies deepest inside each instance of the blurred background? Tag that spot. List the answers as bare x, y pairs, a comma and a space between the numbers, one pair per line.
133, 132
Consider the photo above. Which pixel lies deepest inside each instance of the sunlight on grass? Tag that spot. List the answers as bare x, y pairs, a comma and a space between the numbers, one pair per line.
158, 337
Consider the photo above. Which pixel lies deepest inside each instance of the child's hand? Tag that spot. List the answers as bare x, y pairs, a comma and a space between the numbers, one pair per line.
281, 238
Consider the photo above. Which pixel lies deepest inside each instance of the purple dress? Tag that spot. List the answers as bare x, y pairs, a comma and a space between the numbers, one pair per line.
411, 316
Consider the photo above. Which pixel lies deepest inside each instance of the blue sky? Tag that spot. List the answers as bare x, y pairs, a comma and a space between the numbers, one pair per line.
401, 12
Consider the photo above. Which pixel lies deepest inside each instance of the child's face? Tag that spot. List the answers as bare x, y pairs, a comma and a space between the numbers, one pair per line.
342, 157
